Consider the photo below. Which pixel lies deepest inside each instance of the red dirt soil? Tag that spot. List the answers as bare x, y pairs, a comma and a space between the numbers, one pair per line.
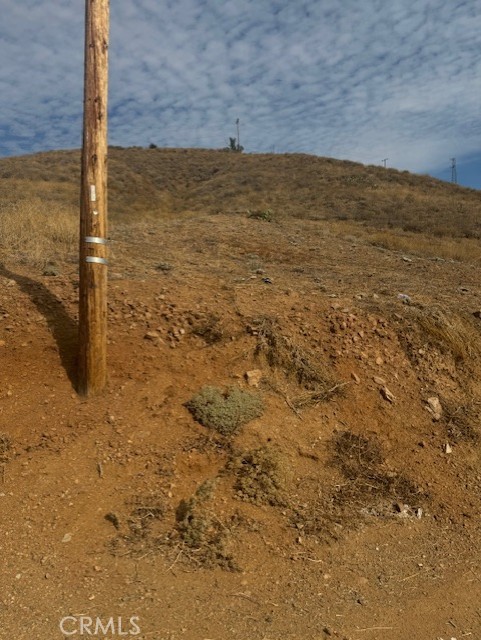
377, 533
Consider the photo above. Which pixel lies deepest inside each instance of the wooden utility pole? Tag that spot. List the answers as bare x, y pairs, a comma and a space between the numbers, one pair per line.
92, 364
238, 133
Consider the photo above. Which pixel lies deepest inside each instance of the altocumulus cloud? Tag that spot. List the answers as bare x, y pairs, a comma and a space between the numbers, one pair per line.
343, 78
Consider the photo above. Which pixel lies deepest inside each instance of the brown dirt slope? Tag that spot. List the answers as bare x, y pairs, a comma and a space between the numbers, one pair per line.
345, 500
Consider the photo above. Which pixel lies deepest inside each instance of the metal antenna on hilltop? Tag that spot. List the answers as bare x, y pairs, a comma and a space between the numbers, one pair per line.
92, 360
384, 160
454, 171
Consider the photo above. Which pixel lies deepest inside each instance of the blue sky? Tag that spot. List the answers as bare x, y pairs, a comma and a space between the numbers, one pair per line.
353, 80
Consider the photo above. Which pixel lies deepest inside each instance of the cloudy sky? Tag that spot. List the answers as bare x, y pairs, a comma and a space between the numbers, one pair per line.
359, 80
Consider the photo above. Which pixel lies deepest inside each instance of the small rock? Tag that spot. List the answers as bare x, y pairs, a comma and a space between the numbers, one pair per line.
152, 335
404, 298
387, 395
253, 377
379, 361
356, 378
477, 314
379, 381
448, 448
434, 407
406, 259
67, 537
266, 280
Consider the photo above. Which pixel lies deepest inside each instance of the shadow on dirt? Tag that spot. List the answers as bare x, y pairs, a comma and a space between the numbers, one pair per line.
64, 329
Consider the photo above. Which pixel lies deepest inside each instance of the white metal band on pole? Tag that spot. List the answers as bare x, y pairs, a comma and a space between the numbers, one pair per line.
95, 240
96, 260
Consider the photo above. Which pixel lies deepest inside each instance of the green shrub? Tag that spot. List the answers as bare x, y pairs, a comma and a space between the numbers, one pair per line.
225, 411
266, 215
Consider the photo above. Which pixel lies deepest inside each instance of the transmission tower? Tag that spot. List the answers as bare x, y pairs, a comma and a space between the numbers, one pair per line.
384, 161
454, 172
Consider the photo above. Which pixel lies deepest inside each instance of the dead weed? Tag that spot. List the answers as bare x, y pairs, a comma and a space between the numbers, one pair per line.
449, 332
203, 536
285, 356
370, 489
5, 448
461, 421
142, 531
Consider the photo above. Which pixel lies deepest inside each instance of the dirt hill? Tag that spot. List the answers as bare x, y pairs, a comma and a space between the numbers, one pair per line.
289, 444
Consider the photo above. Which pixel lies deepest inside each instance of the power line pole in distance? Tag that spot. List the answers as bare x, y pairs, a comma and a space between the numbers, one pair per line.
92, 363
238, 132
454, 171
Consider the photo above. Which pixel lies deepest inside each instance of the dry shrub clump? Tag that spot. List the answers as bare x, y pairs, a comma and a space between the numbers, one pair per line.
5, 448
284, 355
225, 411
142, 529
449, 332
461, 422
361, 462
370, 489
260, 477
203, 536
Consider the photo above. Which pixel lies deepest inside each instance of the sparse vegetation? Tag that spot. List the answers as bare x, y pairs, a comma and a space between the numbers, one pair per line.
459, 249
462, 422
260, 478
201, 532
174, 181
207, 327
449, 332
235, 146
5, 447
293, 362
265, 214
361, 462
141, 530
37, 232
370, 489
225, 411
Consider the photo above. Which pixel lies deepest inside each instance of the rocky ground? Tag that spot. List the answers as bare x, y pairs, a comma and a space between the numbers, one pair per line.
347, 507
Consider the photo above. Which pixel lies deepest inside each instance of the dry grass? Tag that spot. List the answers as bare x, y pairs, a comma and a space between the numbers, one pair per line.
459, 249
405, 212
173, 181
449, 332
37, 232
314, 381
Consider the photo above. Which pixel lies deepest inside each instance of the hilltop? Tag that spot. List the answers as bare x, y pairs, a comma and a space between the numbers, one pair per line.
326, 484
